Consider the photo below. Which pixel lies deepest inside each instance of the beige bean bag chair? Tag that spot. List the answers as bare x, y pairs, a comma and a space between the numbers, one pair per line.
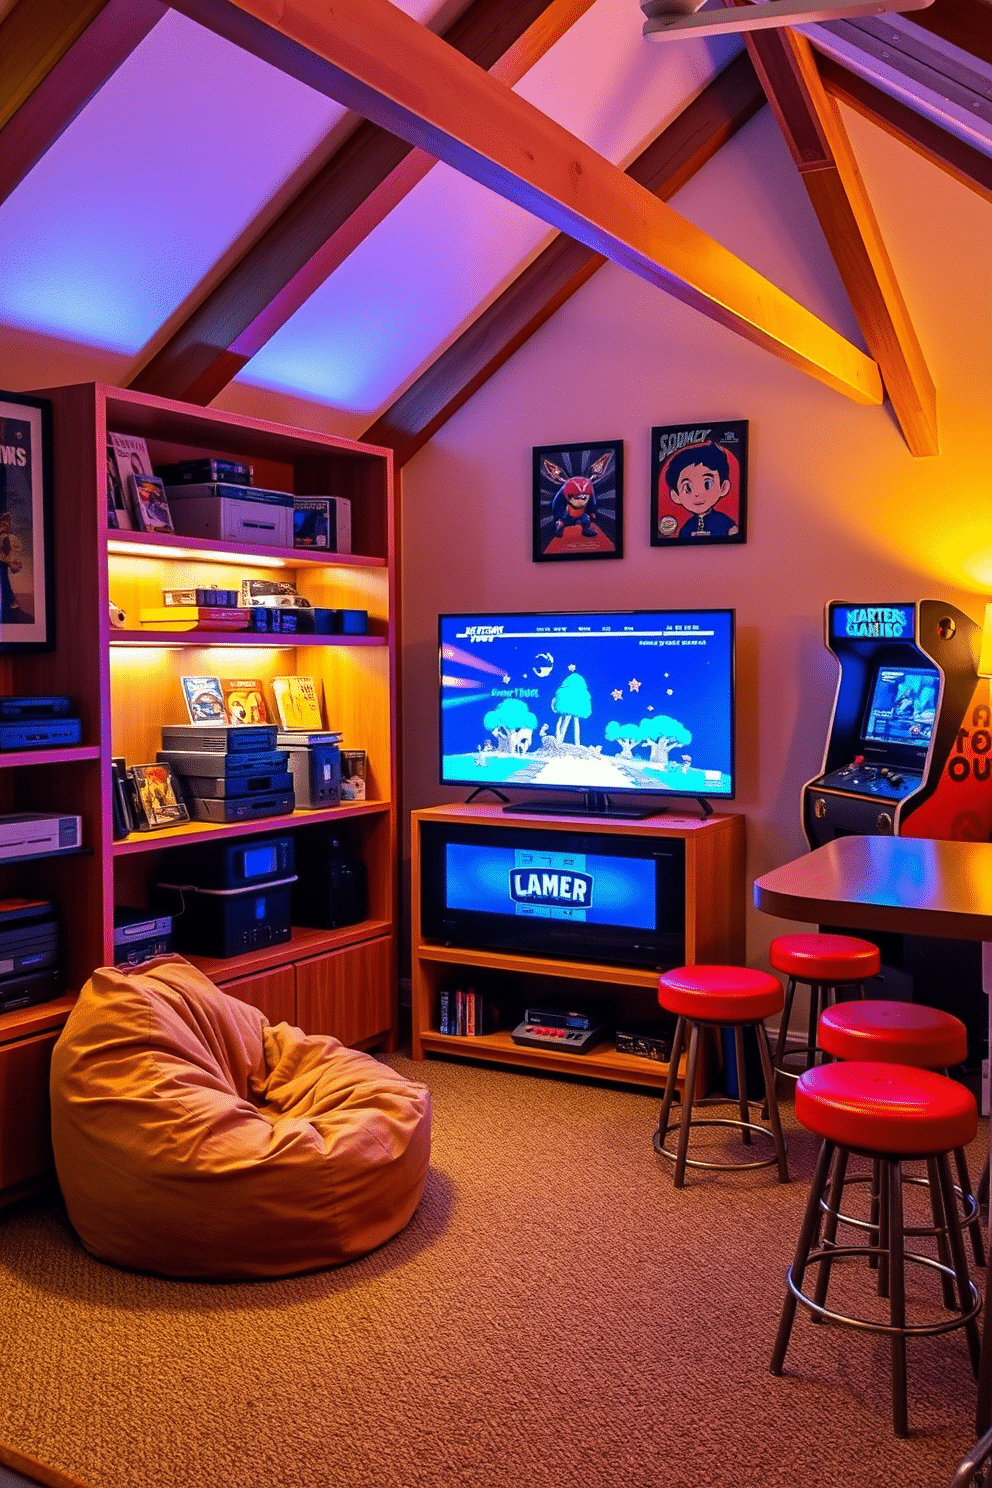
193, 1138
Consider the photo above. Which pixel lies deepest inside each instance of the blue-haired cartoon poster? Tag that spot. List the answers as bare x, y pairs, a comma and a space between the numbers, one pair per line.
25, 585
578, 501
699, 484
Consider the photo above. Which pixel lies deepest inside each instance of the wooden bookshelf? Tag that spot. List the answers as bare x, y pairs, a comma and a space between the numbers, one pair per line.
126, 684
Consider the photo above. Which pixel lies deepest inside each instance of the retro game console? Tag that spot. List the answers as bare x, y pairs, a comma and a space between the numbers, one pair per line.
140, 935
25, 834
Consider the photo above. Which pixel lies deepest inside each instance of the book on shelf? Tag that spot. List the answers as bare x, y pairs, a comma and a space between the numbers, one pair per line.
297, 702
118, 511
194, 617
204, 699
244, 700
467, 1012
130, 455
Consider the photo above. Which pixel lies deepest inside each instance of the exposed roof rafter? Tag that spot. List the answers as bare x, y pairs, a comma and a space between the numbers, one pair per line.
694, 136
53, 58
961, 160
369, 175
376, 60
964, 23
815, 133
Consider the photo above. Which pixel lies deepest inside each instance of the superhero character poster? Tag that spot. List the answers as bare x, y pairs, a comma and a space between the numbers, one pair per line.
699, 484
578, 501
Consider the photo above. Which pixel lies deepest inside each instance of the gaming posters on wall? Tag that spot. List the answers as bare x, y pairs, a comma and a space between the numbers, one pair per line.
699, 484
25, 600
578, 501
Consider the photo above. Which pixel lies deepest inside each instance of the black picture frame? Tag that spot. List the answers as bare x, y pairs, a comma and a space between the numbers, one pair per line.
27, 587
570, 530
710, 459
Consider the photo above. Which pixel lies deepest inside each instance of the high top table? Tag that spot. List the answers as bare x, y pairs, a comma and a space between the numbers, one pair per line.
914, 886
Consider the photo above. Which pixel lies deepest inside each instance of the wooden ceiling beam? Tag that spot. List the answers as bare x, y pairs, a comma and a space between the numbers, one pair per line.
964, 23
54, 56
366, 177
691, 139
955, 156
815, 133
378, 61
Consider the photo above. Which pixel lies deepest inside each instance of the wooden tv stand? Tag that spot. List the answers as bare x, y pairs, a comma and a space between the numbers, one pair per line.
714, 932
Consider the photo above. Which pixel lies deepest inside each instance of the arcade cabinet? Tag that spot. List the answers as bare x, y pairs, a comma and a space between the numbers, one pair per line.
909, 753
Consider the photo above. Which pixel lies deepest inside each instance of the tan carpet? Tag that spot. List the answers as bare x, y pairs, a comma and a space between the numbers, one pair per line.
555, 1314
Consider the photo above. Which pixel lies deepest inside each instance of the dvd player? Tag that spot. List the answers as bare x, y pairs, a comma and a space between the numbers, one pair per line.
218, 766
249, 738
242, 808
26, 833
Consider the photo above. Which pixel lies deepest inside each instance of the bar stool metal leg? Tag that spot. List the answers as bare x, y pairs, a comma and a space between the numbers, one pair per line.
771, 1103
897, 1297
955, 1236
939, 1224
742, 1085
830, 1228
690, 1085
673, 1072
808, 1235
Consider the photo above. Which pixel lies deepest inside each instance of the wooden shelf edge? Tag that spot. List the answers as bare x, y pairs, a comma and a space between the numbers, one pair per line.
192, 832
254, 638
305, 943
121, 544
23, 1022
76, 753
587, 971
600, 1063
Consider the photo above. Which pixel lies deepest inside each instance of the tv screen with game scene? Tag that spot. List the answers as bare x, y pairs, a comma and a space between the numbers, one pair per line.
609, 704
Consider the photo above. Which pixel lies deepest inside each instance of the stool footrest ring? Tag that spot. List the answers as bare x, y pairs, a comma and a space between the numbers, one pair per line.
909, 1330
731, 1167
969, 1206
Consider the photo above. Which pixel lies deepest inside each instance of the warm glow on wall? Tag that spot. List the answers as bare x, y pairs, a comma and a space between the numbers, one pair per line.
985, 656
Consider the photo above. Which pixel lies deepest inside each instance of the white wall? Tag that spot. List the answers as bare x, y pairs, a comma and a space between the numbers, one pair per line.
838, 508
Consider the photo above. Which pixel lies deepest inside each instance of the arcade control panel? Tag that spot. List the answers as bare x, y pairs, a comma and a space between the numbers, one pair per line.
872, 780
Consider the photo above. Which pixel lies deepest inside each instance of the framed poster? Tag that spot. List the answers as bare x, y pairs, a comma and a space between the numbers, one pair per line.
699, 484
578, 501
27, 595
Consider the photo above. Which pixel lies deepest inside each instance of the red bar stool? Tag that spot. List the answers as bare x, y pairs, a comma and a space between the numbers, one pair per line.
721, 997
892, 1113
905, 1033
826, 963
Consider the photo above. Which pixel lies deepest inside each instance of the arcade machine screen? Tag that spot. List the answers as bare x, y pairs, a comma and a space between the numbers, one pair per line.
903, 707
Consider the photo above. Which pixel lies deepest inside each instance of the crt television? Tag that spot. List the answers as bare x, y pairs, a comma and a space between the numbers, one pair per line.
579, 896
610, 704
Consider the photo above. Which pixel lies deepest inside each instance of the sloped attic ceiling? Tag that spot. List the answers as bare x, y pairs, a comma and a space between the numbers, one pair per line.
200, 223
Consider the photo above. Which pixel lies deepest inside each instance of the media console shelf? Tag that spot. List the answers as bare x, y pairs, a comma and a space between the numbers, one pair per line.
714, 932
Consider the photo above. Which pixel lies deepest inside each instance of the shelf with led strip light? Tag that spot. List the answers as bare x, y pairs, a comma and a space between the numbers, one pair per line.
126, 685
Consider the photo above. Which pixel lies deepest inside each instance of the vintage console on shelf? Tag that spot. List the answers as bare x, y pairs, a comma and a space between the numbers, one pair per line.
688, 873
124, 679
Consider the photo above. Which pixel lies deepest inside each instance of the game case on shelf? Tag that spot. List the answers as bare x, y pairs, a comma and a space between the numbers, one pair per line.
297, 702
149, 503
118, 511
155, 794
244, 700
130, 458
204, 699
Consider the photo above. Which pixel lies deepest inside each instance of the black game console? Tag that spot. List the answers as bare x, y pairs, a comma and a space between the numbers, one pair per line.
239, 763
226, 922
242, 808
140, 935
249, 738
40, 733
572, 1029
332, 889
648, 1039
13, 708
29, 952
209, 786
244, 862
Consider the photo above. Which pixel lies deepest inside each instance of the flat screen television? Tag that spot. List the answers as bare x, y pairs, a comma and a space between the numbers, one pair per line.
612, 705
575, 895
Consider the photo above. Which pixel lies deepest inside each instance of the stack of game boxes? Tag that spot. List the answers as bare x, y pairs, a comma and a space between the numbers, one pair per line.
229, 772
